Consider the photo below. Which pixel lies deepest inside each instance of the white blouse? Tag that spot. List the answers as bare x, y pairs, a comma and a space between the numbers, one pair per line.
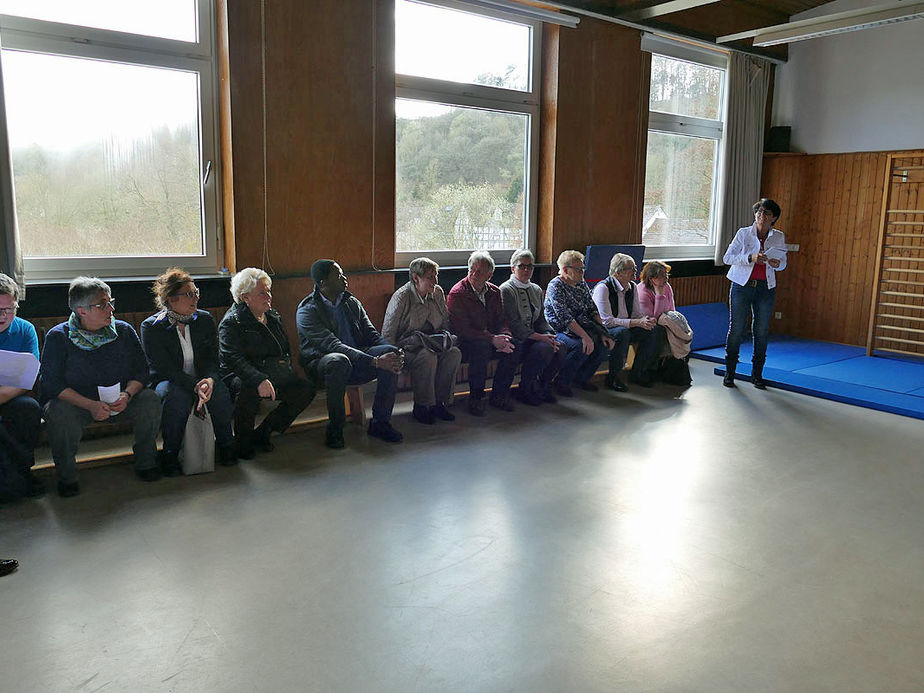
189, 359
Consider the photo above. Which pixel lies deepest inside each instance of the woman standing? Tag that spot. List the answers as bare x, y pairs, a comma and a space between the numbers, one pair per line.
181, 344
756, 254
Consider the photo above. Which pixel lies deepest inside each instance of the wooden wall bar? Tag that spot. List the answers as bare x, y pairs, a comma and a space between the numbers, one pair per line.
689, 291
831, 207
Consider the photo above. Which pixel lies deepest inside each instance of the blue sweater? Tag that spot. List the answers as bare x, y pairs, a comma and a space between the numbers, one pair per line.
65, 365
19, 337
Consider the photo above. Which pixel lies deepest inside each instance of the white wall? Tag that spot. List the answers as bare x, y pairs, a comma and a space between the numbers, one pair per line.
854, 92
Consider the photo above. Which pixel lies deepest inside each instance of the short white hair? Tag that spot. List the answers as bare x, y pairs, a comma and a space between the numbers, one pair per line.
620, 262
479, 257
244, 281
568, 258
517, 254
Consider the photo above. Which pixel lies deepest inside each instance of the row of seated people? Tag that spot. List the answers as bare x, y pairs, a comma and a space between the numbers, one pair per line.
182, 363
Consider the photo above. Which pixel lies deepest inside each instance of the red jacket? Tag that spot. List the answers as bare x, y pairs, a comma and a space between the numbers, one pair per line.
469, 319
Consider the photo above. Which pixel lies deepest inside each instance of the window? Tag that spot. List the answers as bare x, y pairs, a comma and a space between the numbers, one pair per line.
466, 130
685, 129
113, 129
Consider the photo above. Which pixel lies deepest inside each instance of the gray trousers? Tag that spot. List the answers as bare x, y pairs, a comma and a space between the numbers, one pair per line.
65, 424
433, 376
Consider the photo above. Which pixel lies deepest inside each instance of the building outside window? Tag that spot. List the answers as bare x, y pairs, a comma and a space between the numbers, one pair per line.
466, 131
113, 131
686, 123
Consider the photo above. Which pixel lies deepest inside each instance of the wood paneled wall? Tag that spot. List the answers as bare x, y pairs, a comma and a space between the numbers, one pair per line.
595, 132
831, 207
330, 155
690, 291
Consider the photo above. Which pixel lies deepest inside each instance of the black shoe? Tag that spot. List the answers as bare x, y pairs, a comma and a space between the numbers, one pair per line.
441, 412
545, 394
758, 382
8, 565
563, 390
527, 396
169, 464
729, 380
385, 431
149, 474
261, 439
477, 405
245, 448
587, 386
68, 490
614, 383
333, 438
423, 414
502, 403
227, 455
36, 489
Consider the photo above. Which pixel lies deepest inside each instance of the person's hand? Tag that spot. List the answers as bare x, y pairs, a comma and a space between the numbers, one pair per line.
502, 343
100, 411
760, 258
587, 344
266, 390
204, 392
547, 338
609, 342
388, 362
773, 262
648, 322
121, 402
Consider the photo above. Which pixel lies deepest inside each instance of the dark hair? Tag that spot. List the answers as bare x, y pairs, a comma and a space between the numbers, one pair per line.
654, 269
769, 205
167, 284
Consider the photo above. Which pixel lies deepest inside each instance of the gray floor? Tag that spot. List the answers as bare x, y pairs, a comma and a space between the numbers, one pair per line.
719, 541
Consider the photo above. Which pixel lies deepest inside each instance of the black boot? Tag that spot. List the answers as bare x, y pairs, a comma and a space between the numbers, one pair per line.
730, 366
757, 376
261, 438
169, 464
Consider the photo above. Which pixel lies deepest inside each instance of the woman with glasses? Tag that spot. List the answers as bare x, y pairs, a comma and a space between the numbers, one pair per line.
256, 363
570, 311
93, 369
655, 295
181, 344
756, 254
542, 356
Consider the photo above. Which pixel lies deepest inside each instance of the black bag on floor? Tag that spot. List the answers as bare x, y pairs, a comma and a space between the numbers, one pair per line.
675, 372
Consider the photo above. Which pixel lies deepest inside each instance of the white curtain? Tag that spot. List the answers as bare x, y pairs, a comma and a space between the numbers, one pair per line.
10, 252
748, 82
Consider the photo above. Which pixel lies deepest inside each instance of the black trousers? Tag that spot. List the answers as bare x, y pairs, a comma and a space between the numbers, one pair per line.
293, 396
22, 422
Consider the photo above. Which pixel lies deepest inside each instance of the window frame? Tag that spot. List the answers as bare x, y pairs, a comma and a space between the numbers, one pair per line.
692, 126
200, 57
448, 93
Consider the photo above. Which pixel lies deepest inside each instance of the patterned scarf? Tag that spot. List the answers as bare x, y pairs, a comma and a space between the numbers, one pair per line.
88, 340
173, 317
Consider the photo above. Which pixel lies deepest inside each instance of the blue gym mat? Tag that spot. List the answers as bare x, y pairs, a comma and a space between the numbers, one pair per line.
837, 372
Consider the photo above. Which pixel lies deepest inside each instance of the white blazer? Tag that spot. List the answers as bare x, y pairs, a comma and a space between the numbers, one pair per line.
745, 244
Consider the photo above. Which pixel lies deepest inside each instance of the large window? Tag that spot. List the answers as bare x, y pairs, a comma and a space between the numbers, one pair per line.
686, 125
466, 131
112, 128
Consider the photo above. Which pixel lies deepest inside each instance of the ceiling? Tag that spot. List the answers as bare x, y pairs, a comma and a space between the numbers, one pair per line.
707, 21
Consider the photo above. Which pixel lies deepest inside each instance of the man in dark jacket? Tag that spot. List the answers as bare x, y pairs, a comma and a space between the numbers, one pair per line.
476, 315
340, 347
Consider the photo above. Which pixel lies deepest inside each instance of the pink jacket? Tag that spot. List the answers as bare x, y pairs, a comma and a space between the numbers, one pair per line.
653, 305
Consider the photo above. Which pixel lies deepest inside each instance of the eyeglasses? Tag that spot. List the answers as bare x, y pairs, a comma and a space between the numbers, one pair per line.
103, 306
189, 294
763, 212
576, 269
524, 267
8, 311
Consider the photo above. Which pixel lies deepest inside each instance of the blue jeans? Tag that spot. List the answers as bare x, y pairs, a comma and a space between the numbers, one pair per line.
336, 371
580, 367
177, 405
742, 301
540, 364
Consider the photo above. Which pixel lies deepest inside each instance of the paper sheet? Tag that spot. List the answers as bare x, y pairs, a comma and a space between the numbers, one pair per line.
18, 370
109, 394
775, 253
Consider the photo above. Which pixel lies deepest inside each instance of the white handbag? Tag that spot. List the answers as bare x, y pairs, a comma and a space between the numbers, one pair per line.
198, 453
